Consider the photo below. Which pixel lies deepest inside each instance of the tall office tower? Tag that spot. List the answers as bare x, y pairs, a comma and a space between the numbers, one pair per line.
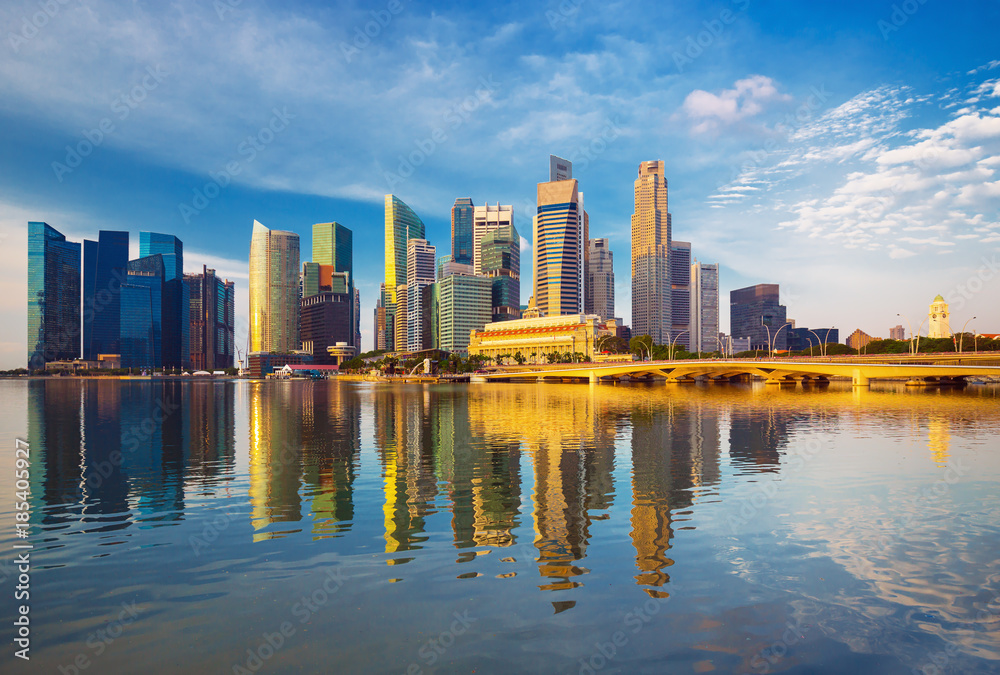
419, 275
401, 225
327, 318
486, 219
680, 293
274, 290
53, 296
756, 313
212, 314
400, 343
142, 313
705, 307
333, 244
460, 304
104, 263
651, 288
500, 260
381, 320
560, 237
559, 169
461, 231
600, 286
176, 299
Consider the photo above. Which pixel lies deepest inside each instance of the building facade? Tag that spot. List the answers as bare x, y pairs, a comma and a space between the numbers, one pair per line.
680, 294
859, 339
704, 307
212, 311
104, 264
500, 259
175, 321
599, 291
462, 249
651, 238
53, 296
420, 258
487, 219
459, 305
755, 312
274, 290
401, 225
560, 236
142, 324
327, 318
897, 332
535, 339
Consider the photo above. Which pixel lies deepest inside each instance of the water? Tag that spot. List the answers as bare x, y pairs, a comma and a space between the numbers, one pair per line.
287, 527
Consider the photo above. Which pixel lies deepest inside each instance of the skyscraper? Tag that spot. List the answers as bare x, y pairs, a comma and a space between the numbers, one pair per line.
333, 244
53, 296
401, 225
460, 305
104, 264
560, 236
500, 260
274, 290
600, 286
461, 231
651, 288
142, 313
212, 320
755, 312
680, 293
486, 219
175, 320
705, 307
419, 275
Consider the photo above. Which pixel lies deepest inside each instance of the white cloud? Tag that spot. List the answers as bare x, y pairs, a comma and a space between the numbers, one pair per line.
746, 99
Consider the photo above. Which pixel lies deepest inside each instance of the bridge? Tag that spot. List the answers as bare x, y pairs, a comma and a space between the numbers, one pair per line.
921, 369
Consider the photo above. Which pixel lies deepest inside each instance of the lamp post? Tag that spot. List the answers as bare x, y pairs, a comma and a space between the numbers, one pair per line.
811, 343
819, 342
722, 348
961, 335
673, 342
910, 326
915, 351
771, 342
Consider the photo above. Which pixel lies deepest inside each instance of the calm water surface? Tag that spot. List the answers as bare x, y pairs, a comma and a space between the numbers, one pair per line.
287, 527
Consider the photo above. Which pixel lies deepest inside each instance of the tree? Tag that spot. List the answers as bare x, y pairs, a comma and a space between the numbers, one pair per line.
615, 345
519, 358
642, 346
552, 357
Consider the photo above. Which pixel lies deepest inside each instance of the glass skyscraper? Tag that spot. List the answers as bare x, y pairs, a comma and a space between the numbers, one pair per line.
142, 313
705, 307
274, 290
755, 312
176, 297
401, 225
212, 318
53, 296
333, 261
104, 265
500, 260
680, 294
462, 243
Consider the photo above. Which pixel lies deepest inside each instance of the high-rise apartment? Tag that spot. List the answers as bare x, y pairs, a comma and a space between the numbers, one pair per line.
53, 296
680, 293
897, 332
704, 307
560, 236
104, 264
462, 241
274, 290
651, 238
500, 259
213, 320
401, 225
755, 312
600, 286
486, 219
420, 257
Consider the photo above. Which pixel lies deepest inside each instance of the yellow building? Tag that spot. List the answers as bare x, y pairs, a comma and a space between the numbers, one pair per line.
939, 325
651, 236
274, 290
537, 337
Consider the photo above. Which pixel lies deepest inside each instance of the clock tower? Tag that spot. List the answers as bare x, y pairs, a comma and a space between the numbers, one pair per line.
938, 319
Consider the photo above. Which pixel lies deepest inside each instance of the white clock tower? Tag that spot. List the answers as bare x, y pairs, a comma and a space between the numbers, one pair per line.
938, 317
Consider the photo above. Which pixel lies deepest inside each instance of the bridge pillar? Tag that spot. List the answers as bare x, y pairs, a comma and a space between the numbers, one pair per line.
859, 379
594, 378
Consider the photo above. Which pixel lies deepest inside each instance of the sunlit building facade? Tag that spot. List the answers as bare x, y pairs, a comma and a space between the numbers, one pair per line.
705, 307
560, 236
600, 287
536, 338
651, 239
500, 260
401, 225
486, 219
274, 290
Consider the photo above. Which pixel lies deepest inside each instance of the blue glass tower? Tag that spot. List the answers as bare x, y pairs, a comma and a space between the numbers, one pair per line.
142, 313
53, 296
105, 262
462, 214
175, 319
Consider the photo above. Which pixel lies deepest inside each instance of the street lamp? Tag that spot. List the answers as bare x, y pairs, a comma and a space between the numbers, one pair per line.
961, 335
910, 327
673, 342
770, 343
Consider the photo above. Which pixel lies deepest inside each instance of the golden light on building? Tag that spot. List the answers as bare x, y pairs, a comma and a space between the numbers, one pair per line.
538, 337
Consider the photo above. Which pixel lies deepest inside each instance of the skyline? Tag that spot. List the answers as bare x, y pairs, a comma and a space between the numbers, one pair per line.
863, 191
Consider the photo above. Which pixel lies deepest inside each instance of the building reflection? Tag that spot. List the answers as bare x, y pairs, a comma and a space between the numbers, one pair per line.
675, 454
758, 435
275, 456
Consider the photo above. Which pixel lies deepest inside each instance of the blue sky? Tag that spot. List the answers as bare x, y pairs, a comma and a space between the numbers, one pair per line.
847, 151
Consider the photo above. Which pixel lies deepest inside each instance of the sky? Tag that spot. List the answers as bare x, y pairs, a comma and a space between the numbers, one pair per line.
848, 151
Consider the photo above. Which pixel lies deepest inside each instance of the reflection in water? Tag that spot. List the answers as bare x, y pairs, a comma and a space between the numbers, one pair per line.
573, 483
